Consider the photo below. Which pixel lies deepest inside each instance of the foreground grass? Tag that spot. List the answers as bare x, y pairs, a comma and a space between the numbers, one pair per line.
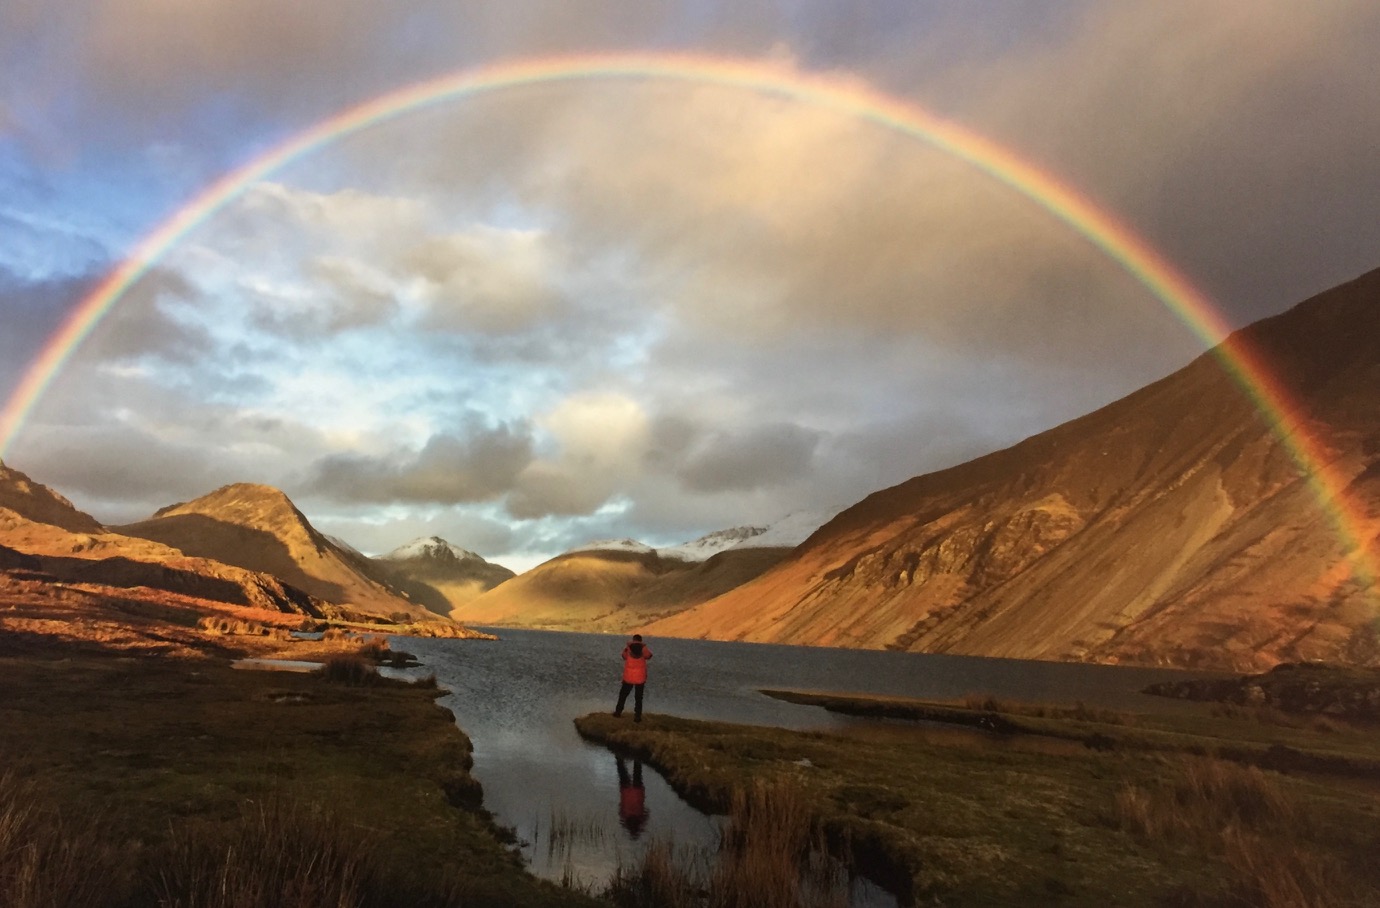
134, 781
996, 824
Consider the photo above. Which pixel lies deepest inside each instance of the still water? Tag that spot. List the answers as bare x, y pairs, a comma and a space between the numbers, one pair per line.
516, 698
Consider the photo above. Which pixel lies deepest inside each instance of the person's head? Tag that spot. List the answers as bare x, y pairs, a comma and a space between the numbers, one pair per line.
637, 638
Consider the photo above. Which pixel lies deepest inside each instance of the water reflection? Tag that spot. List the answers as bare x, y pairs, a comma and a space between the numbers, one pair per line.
632, 797
517, 698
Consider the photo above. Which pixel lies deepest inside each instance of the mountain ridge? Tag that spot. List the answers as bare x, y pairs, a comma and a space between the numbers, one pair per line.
1170, 526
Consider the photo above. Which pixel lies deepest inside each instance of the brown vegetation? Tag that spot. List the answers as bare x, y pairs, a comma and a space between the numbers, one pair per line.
771, 855
1247, 818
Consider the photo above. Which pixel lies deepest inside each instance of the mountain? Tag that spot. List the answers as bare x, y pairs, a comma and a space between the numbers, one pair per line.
620, 584
258, 528
45, 539
1169, 527
34, 501
441, 576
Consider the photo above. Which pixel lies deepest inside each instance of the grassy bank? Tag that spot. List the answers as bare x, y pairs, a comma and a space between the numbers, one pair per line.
1260, 737
134, 780
971, 823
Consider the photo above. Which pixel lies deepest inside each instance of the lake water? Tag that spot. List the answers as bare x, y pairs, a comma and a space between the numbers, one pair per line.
517, 698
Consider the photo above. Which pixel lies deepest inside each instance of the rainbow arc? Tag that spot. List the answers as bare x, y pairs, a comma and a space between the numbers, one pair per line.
847, 96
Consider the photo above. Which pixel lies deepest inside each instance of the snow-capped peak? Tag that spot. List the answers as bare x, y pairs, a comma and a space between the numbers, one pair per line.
711, 544
615, 545
790, 531
431, 548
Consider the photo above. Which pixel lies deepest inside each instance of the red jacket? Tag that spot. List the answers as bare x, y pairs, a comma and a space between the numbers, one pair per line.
635, 667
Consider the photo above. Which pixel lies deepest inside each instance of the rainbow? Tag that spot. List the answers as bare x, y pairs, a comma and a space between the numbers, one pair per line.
847, 96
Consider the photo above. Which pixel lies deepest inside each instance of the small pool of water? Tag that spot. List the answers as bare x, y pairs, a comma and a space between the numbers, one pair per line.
276, 665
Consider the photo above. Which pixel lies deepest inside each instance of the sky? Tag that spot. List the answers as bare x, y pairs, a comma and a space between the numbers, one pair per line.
652, 308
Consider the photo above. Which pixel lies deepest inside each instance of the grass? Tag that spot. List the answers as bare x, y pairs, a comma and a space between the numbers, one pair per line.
1000, 820
219, 778
1259, 829
771, 855
1315, 744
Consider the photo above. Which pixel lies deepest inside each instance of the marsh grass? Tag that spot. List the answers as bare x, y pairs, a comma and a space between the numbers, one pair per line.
351, 669
51, 861
770, 855
566, 833
1079, 712
1245, 816
280, 854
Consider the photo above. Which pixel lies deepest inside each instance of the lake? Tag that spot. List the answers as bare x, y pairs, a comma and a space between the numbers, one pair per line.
568, 800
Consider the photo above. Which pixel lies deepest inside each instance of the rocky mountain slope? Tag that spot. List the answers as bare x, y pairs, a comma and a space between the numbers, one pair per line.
1170, 527
257, 528
36, 502
440, 576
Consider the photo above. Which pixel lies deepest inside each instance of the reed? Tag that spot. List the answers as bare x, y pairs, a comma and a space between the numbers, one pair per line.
51, 861
280, 854
770, 855
352, 670
1245, 816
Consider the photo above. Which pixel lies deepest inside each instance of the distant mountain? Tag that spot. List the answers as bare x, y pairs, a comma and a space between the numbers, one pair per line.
620, 584
58, 543
1170, 527
34, 501
441, 576
258, 528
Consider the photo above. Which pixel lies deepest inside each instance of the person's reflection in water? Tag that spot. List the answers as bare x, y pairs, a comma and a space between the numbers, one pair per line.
632, 798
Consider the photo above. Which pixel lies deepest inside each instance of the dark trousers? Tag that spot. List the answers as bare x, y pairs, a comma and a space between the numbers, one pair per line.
623, 698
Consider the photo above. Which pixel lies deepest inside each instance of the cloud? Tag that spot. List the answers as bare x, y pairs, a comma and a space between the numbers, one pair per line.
478, 465
760, 456
487, 280
600, 438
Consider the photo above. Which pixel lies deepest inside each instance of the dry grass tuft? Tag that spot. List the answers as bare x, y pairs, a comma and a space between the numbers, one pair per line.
220, 626
49, 861
770, 856
279, 855
1244, 815
352, 670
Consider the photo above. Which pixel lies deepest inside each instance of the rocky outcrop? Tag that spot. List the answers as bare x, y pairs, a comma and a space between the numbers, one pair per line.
1346, 693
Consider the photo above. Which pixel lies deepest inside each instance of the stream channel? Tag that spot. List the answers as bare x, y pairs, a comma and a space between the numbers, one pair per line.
516, 698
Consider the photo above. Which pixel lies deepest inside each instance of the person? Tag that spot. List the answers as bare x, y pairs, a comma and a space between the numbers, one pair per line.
636, 655
632, 797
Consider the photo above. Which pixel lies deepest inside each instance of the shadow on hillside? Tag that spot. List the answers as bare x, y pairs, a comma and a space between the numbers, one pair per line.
205, 537
424, 594
126, 572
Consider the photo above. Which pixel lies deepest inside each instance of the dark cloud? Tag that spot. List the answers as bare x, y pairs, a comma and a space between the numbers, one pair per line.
146, 324
761, 456
479, 465
123, 473
32, 312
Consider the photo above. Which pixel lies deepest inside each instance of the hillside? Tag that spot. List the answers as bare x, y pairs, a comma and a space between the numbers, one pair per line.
612, 590
51, 541
33, 501
258, 528
1170, 527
